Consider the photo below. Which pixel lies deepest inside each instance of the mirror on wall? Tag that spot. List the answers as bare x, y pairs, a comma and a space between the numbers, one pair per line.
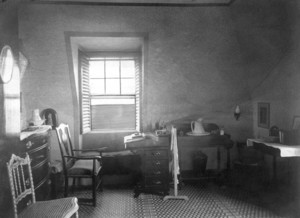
6, 64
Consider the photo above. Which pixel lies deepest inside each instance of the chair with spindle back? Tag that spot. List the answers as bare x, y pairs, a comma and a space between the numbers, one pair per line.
22, 190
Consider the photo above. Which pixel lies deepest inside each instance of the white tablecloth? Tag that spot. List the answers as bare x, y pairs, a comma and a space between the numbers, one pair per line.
34, 130
285, 150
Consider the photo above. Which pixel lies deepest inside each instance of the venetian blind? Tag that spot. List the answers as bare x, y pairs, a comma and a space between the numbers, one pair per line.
137, 95
85, 110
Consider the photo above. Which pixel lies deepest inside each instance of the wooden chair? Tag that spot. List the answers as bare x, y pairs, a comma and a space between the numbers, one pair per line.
80, 165
21, 184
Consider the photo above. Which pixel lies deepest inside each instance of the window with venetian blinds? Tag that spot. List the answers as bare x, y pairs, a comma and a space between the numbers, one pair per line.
110, 91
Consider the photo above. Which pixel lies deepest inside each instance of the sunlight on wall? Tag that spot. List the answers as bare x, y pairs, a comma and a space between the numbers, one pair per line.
12, 104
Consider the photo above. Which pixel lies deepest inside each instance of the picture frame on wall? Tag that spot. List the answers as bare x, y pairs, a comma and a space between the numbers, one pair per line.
263, 113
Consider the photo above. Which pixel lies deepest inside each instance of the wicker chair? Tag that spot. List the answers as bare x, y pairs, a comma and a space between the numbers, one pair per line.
21, 184
78, 166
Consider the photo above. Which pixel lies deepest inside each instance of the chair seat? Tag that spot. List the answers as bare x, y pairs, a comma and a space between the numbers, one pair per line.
84, 167
54, 208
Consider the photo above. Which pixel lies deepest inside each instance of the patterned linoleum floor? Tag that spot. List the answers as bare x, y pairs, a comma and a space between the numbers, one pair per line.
206, 201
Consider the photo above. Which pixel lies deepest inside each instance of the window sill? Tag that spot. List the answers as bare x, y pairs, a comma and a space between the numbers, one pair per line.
128, 131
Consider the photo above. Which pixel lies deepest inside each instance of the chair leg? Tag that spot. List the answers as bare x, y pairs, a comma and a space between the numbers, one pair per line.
66, 186
73, 185
100, 186
94, 191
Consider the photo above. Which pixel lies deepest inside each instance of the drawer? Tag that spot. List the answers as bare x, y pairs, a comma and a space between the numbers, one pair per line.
42, 192
155, 181
39, 154
40, 172
35, 142
157, 164
159, 171
156, 153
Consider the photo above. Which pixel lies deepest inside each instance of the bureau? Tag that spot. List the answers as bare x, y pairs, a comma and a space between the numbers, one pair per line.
154, 177
37, 145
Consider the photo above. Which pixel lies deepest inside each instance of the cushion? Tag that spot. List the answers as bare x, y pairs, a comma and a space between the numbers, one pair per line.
84, 167
117, 153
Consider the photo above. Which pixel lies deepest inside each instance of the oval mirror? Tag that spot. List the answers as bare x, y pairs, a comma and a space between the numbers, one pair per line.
6, 64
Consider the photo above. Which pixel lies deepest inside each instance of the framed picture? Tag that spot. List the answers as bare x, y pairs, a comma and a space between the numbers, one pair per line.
296, 122
263, 112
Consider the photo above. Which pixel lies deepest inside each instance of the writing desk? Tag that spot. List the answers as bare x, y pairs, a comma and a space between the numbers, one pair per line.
156, 147
275, 150
153, 176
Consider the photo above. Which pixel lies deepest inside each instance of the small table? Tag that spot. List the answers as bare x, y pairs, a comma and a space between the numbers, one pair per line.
275, 150
207, 141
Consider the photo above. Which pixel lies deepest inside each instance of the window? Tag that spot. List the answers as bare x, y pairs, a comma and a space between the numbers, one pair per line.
110, 92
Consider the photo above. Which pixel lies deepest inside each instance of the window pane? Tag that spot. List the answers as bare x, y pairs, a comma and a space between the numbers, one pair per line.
128, 69
96, 69
113, 117
112, 69
112, 86
112, 101
97, 86
128, 86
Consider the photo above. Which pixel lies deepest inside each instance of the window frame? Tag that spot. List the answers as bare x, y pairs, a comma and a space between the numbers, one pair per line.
136, 56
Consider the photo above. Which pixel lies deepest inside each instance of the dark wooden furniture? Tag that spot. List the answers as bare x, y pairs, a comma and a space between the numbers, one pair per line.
155, 170
154, 143
21, 184
208, 141
37, 145
79, 166
276, 150
154, 174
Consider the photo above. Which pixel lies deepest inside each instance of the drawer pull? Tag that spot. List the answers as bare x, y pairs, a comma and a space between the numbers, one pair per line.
157, 153
29, 203
29, 144
27, 182
157, 162
157, 182
157, 172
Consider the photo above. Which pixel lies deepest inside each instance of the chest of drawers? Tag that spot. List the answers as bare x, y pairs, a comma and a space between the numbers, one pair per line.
37, 146
155, 170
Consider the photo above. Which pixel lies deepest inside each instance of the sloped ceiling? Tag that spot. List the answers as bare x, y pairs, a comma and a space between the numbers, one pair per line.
264, 32
146, 2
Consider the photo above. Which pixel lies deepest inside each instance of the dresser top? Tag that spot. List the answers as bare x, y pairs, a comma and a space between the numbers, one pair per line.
34, 130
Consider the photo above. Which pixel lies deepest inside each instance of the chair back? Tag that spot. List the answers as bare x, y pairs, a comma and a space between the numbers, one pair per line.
65, 145
20, 179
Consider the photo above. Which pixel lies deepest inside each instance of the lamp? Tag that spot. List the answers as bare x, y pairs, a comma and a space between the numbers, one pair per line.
237, 112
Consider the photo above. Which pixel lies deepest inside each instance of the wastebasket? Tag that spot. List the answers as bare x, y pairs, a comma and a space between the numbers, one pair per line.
199, 163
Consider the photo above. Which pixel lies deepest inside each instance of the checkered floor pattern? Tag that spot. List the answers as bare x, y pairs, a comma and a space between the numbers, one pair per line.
205, 200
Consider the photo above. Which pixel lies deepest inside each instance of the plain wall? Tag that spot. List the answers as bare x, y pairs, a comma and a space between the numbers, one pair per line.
193, 67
